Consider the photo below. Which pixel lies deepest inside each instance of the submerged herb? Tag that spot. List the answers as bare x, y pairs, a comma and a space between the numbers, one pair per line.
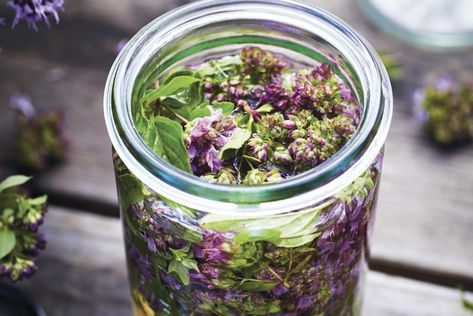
20, 217
251, 115
302, 263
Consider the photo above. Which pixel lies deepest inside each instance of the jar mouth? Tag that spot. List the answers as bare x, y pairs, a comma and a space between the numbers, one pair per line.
307, 24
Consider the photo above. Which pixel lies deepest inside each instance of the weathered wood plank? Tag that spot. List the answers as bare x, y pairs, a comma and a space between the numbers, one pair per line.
87, 172
395, 296
87, 34
82, 272
426, 199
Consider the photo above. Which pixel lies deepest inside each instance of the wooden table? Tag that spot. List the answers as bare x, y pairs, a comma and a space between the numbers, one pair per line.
423, 237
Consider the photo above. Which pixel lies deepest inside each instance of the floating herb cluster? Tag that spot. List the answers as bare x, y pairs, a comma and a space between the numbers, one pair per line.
20, 218
247, 119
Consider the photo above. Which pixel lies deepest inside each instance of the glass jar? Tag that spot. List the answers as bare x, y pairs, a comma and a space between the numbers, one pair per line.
298, 247
441, 24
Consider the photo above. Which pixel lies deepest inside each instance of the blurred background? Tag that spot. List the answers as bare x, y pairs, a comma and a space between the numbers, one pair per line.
423, 240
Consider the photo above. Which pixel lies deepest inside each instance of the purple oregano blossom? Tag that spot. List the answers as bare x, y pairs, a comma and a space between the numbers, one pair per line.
205, 137
34, 11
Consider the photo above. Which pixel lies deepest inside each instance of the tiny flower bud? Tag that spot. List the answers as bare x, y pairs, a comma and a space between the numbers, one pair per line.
289, 124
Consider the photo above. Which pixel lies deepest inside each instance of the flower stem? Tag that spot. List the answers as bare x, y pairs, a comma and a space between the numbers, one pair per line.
275, 274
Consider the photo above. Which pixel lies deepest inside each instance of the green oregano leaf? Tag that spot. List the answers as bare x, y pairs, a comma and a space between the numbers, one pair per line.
176, 84
257, 285
200, 111
180, 271
220, 67
178, 73
265, 108
296, 241
360, 187
131, 190
245, 236
236, 141
23, 207
39, 200
165, 137
286, 230
227, 107
13, 181
8, 241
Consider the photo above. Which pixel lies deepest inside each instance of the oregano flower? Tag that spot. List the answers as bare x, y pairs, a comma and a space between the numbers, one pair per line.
205, 137
34, 11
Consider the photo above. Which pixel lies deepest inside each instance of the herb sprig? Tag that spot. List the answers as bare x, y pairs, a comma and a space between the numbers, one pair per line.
20, 218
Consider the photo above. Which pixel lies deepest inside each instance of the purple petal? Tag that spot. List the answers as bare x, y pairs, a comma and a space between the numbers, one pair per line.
22, 103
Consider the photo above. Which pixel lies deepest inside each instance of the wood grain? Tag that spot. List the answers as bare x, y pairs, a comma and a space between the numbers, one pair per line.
425, 211
82, 272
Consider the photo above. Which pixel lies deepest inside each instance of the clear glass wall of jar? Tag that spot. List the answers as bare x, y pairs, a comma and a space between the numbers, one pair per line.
298, 247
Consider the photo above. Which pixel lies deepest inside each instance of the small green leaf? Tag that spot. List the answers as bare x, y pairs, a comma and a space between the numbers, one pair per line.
201, 110
236, 141
173, 103
190, 264
227, 107
23, 207
245, 236
7, 213
173, 86
285, 230
231, 61
216, 67
257, 285
8, 240
265, 108
178, 73
13, 181
131, 190
296, 241
180, 271
166, 139
39, 200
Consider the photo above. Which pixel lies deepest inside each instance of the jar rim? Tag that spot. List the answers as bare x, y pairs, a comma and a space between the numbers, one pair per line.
297, 192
